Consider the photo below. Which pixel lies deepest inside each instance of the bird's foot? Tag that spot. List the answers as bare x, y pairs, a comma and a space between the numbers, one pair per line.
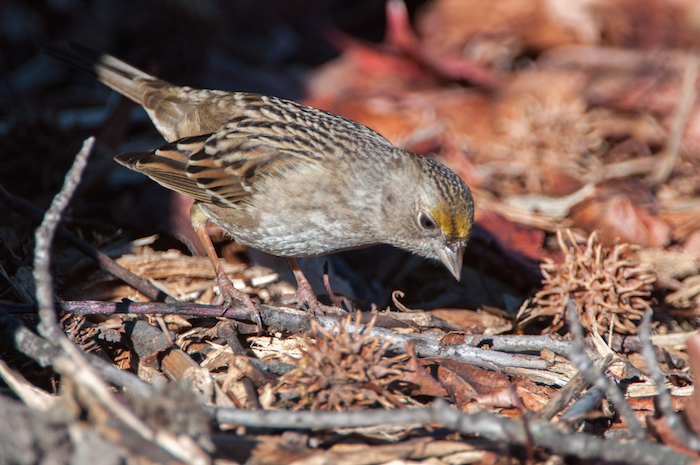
228, 293
306, 298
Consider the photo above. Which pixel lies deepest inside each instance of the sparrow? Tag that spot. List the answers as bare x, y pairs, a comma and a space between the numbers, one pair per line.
286, 178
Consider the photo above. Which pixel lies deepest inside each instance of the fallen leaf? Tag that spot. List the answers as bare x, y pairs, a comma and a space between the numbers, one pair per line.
465, 382
618, 216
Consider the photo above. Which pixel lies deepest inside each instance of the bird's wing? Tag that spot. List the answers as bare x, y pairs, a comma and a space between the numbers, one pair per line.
266, 137
220, 168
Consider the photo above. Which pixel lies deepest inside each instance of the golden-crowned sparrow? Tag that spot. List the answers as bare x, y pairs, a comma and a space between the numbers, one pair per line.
286, 178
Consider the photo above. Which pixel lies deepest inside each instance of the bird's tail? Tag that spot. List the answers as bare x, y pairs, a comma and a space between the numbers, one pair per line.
114, 73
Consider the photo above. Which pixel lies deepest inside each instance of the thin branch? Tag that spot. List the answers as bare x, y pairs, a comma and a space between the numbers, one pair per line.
70, 360
664, 396
566, 394
686, 100
595, 376
523, 343
48, 327
43, 352
296, 322
495, 428
589, 401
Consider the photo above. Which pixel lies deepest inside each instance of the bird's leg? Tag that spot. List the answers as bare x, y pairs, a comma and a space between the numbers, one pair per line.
305, 295
327, 283
227, 291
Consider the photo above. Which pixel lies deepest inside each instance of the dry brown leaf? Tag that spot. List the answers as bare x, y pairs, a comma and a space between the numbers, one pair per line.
514, 237
447, 26
617, 214
416, 374
465, 383
471, 321
647, 24
533, 395
686, 227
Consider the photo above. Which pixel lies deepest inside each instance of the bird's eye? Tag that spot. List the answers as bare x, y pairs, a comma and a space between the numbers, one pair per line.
426, 222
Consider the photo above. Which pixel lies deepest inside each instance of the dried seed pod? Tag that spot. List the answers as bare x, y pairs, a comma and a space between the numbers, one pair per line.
610, 285
343, 369
560, 138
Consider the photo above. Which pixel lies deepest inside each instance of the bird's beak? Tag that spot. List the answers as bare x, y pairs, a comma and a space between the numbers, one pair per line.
451, 257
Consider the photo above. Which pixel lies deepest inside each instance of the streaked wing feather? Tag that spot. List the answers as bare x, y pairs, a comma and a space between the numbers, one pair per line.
167, 165
229, 165
177, 182
216, 168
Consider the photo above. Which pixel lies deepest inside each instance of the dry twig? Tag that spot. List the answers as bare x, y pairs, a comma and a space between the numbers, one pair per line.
297, 322
664, 396
69, 360
495, 428
595, 376
686, 101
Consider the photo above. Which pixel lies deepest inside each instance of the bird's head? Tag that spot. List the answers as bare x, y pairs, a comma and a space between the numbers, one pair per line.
435, 210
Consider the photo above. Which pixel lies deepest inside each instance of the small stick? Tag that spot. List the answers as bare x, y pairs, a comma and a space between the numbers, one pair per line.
664, 396
595, 376
71, 361
680, 120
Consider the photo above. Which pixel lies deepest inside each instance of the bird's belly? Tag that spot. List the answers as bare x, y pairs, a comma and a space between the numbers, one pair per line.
289, 235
